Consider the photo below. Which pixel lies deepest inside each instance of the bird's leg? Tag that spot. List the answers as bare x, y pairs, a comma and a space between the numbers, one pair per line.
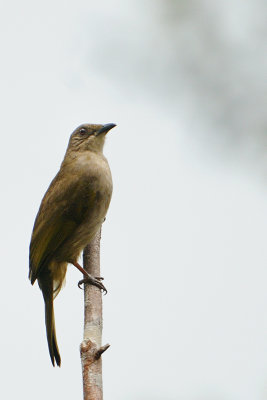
88, 278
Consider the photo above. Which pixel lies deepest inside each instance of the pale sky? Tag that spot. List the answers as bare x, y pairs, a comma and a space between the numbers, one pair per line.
183, 248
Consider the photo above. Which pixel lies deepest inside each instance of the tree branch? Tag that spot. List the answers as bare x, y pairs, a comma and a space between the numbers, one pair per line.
91, 348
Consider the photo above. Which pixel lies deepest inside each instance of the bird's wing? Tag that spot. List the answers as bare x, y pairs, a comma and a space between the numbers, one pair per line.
61, 212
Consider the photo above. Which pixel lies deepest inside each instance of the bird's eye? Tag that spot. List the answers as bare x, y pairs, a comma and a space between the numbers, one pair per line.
82, 131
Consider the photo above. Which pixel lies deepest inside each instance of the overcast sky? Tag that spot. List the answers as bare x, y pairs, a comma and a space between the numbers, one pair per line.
183, 248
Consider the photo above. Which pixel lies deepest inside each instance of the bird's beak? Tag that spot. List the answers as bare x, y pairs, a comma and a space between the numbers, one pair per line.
105, 128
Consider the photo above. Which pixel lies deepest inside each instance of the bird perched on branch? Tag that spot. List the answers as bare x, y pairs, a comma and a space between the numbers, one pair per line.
70, 214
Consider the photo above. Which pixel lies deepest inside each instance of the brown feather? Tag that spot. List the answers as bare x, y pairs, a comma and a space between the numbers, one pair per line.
71, 212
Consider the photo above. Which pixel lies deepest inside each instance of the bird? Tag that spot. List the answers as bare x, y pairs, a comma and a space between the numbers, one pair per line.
71, 212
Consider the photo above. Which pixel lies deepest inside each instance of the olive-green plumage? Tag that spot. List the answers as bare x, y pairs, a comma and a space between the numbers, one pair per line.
70, 214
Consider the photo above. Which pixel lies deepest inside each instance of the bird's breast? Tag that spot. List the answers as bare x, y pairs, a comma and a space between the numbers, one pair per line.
95, 188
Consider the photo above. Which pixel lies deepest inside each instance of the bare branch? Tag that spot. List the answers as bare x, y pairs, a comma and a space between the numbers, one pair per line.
91, 348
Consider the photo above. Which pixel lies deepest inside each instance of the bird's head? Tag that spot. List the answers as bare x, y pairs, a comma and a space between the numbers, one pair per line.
89, 137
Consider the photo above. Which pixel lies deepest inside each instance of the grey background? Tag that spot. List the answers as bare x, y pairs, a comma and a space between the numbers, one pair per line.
183, 248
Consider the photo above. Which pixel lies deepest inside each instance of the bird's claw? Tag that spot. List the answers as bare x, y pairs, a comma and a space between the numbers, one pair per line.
95, 281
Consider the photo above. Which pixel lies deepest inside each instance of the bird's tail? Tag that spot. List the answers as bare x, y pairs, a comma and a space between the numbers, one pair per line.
46, 286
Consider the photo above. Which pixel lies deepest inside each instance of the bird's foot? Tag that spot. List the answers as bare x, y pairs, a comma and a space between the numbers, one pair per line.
89, 279
95, 281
